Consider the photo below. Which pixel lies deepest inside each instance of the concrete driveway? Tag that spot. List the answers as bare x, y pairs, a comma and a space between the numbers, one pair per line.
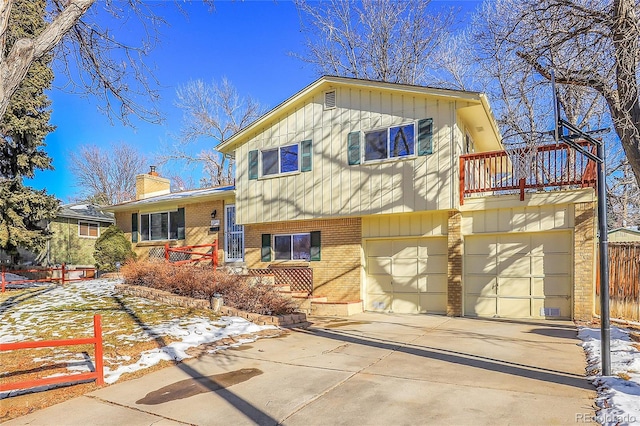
369, 369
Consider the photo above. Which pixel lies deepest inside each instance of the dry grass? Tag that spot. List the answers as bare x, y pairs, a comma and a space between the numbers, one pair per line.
125, 321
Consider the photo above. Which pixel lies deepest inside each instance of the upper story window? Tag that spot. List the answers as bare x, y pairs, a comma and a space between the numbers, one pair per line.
282, 160
162, 226
389, 143
88, 229
406, 140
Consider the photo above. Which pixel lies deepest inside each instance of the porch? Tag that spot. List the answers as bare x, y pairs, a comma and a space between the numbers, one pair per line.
552, 167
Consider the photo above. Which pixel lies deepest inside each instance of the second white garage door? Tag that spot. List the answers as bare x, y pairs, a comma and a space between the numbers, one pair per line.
518, 275
406, 275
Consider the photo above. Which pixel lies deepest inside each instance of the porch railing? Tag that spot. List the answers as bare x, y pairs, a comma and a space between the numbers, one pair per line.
191, 254
547, 167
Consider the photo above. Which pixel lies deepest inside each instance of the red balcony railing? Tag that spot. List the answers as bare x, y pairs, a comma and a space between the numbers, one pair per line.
546, 167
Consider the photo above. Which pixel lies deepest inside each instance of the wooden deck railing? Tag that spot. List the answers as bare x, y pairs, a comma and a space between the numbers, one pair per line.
550, 167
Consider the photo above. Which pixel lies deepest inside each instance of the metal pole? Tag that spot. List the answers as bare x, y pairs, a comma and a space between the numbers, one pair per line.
605, 325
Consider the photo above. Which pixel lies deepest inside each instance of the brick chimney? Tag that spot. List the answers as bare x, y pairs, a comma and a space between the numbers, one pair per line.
151, 184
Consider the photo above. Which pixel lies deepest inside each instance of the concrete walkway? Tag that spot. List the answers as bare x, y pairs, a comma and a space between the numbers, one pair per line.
369, 369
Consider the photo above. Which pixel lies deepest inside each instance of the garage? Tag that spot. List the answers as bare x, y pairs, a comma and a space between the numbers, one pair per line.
518, 275
406, 275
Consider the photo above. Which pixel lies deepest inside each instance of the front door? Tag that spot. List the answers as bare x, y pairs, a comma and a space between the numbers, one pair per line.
233, 236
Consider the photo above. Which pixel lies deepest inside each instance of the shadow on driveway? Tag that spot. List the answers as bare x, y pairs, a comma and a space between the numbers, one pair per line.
461, 358
252, 412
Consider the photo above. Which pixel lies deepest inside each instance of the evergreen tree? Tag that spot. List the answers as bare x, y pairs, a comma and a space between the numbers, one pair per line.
112, 246
23, 128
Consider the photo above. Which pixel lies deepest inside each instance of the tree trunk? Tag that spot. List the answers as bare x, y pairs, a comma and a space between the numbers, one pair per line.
16, 63
626, 111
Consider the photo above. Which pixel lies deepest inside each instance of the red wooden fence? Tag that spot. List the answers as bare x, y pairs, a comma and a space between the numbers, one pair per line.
98, 374
186, 254
89, 273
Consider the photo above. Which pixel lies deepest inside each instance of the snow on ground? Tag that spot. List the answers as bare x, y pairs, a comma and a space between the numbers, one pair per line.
618, 394
58, 308
13, 277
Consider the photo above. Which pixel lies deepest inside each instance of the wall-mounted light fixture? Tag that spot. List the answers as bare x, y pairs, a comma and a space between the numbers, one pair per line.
215, 223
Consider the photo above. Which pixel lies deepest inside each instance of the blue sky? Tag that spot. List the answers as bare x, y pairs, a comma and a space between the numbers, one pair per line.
247, 42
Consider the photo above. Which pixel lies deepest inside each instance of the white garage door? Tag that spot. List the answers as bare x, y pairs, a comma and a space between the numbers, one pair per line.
518, 275
407, 275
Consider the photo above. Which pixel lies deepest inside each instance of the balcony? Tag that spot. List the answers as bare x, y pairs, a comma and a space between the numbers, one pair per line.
520, 170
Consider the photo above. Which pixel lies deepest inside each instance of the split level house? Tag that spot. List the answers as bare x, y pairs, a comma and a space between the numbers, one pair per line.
399, 198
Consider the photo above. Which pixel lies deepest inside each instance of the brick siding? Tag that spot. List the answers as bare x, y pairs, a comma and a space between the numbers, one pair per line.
337, 275
584, 263
454, 264
197, 222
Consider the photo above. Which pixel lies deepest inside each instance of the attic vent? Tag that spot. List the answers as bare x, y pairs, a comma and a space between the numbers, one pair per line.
549, 312
330, 99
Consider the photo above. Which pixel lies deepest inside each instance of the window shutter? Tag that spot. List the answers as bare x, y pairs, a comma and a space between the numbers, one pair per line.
306, 160
181, 227
353, 148
253, 164
265, 252
134, 227
315, 245
425, 136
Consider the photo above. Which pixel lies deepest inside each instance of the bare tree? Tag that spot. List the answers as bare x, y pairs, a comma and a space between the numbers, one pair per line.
587, 43
107, 176
623, 196
212, 112
383, 40
522, 100
80, 35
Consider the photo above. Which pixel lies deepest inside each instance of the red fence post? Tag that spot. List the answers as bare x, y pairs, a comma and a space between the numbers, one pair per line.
3, 280
166, 252
63, 272
97, 334
214, 259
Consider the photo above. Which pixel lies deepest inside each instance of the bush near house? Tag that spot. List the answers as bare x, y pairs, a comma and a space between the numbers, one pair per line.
202, 282
111, 247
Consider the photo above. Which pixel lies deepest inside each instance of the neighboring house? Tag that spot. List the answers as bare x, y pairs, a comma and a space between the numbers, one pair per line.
74, 233
401, 199
158, 216
624, 235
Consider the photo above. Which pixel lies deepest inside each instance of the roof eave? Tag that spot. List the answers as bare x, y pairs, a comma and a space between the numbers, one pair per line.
230, 144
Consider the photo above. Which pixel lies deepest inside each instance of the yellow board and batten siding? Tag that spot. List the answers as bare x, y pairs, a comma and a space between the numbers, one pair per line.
333, 188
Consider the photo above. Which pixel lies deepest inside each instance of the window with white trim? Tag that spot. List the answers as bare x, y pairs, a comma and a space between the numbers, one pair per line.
88, 229
162, 226
281, 160
292, 246
394, 142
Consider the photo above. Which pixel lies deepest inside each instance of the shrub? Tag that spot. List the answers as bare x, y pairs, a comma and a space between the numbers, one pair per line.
112, 246
202, 282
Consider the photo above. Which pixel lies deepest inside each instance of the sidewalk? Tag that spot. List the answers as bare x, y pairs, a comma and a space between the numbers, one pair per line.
368, 369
